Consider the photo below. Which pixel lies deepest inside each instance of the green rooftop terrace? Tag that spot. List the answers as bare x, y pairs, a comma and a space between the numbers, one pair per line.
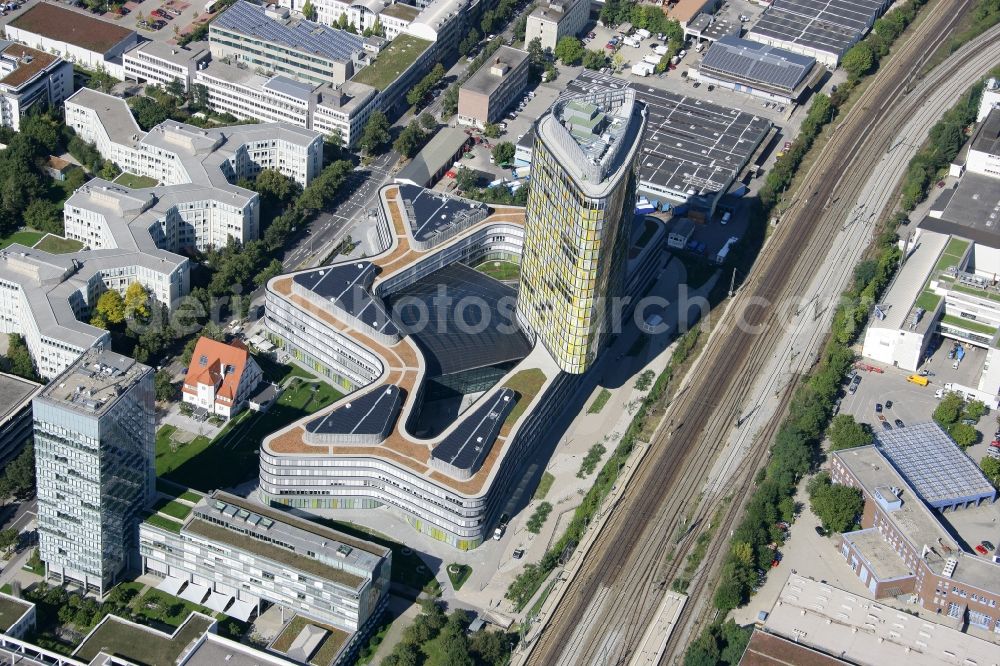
11, 611
968, 324
141, 645
392, 62
952, 254
401, 11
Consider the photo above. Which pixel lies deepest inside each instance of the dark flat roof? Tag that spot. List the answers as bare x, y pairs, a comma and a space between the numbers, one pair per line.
469, 443
825, 25
348, 286
987, 137
14, 394
374, 413
436, 213
65, 25
757, 63
688, 143
480, 333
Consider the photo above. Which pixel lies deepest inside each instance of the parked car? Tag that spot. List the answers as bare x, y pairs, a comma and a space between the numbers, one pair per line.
696, 84
878, 407
888, 404
591, 35
886, 425
899, 423
518, 553
981, 549
820, 531
988, 545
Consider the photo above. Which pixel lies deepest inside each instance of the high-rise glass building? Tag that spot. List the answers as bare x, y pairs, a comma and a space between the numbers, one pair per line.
578, 224
94, 462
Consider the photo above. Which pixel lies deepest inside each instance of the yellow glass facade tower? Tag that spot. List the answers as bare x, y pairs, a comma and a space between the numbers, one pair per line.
578, 222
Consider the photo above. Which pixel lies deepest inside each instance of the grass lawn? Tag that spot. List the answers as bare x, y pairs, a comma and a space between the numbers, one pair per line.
191, 496
500, 270
10, 612
171, 454
232, 457
390, 63
928, 300
599, 402
527, 383
168, 609
544, 486
327, 649
26, 238
135, 181
138, 645
59, 245
968, 324
165, 523
176, 510
278, 372
458, 574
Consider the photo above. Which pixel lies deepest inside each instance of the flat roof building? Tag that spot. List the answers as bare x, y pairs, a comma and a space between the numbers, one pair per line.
984, 151
160, 64
822, 30
16, 394
488, 93
73, 36
758, 69
30, 79
95, 467
554, 19
435, 158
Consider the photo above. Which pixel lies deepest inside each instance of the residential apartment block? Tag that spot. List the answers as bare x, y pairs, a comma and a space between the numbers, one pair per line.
30, 79
159, 63
555, 19
919, 490
266, 38
220, 378
490, 91
245, 554
583, 179
94, 463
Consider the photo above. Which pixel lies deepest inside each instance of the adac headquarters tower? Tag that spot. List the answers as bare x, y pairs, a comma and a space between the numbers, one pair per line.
579, 214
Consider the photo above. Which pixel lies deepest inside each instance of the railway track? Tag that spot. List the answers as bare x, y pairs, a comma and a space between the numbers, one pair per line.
607, 606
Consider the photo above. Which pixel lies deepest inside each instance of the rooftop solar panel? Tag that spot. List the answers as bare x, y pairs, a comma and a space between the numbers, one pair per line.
470, 442
315, 38
828, 25
347, 286
934, 465
757, 63
374, 413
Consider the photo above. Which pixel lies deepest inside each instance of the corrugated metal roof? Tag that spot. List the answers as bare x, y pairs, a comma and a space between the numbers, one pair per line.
757, 63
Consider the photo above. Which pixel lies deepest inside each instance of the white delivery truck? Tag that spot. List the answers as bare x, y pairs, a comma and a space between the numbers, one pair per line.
651, 59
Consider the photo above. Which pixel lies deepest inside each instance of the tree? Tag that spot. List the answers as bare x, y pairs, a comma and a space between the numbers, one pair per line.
846, 433
110, 309
594, 60
375, 135
837, 506
976, 409
991, 468
503, 152
409, 140
44, 215
163, 386
859, 60
569, 50
147, 111
309, 11
18, 360
491, 647
427, 121
491, 130
110, 170
964, 434
273, 269
137, 302
949, 410
20, 473
465, 179
8, 539
274, 185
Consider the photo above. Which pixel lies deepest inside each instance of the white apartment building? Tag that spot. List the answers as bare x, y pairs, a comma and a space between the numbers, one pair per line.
30, 78
556, 19
156, 62
341, 110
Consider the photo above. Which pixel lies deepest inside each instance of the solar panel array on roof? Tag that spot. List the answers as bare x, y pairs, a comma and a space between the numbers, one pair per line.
436, 213
374, 413
825, 25
303, 35
757, 63
934, 465
347, 286
471, 327
689, 144
468, 444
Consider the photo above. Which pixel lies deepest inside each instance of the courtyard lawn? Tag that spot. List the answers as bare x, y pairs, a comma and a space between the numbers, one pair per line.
171, 452
59, 245
135, 181
279, 372
500, 270
233, 456
458, 574
26, 238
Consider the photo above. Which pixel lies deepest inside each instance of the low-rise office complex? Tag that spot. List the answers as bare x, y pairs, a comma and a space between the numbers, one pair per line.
74, 36
159, 63
914, 480
94, 464
30, 79
443, 418
760, 70
490, 91
232, 554
554, 19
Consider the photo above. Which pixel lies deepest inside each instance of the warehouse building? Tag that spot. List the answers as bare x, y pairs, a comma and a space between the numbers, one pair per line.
759, 70
904, 546
821, 30
30, 79
427, 166
73, 36
493, 88
555, 19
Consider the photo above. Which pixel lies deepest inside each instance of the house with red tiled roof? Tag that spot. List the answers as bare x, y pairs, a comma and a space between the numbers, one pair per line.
221, 377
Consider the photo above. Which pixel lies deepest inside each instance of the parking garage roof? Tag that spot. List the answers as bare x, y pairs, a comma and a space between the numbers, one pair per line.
757, 63
689, 144
467, 445
348, 287
939, 471
831, 26
471, 327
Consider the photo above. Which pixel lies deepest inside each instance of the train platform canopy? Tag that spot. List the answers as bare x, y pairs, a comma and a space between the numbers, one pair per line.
932, 463
824, 29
